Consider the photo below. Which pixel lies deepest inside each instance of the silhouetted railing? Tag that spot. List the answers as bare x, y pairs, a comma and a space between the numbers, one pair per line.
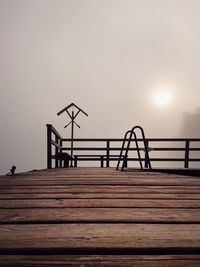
105, 151
54, 146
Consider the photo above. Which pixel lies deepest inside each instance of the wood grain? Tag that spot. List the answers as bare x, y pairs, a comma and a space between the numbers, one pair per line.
103, 217
107, 195
100, 260
104, 236
116, 215
93, 203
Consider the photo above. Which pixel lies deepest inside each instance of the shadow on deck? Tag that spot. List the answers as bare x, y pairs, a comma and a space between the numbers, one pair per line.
99, 217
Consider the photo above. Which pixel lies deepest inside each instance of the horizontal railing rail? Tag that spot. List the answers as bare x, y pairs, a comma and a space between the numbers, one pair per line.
105, 149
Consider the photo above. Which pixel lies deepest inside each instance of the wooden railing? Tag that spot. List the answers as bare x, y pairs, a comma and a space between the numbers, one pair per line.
54, 142
106, 151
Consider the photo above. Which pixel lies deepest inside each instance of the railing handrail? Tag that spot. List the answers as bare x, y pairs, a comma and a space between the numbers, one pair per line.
50, 127
152, 139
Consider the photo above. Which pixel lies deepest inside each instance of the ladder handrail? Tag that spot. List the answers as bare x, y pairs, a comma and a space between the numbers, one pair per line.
121, 152
132, 132
146, 149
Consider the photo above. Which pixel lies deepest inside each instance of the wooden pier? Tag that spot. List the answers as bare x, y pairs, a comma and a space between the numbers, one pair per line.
99, 217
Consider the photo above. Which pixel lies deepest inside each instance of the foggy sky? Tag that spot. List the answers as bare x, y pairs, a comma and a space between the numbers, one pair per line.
107, 56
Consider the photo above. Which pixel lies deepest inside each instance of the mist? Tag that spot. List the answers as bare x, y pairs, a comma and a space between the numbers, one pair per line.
191, 124
106, 56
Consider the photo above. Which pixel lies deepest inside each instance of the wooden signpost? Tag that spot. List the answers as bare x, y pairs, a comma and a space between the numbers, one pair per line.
73, 111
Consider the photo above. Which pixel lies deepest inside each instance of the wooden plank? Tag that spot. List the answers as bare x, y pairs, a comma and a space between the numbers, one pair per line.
109, 203
100, 260
101, 189
90, 175
104, 236
100, 181
63, 215
108, 195
104, 170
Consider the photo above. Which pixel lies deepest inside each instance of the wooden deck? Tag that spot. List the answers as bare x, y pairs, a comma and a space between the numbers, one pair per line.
99, 217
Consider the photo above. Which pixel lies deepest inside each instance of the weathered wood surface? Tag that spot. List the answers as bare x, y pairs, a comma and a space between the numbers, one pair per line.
99, 215
105, 236
99, 196
101, 189
101, 260
92, 211
99, 203
101, 181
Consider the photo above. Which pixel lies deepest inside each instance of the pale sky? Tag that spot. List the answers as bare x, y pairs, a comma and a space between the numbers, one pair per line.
107, 56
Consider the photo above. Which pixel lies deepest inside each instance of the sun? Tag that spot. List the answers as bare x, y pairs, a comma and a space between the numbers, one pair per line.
162, 98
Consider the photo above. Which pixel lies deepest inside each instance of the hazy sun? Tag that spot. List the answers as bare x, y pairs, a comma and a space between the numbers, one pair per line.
162, 98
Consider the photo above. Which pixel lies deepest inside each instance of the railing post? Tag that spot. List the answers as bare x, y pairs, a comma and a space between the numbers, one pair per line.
101, 159
107, 153
146, 155
49, 148
75, 161
60, 151
56, 151
187, 150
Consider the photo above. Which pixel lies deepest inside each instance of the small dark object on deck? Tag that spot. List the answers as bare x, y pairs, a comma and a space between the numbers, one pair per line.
64, 157
12, 170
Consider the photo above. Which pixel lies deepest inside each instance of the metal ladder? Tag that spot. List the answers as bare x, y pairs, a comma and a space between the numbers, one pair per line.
129, 136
